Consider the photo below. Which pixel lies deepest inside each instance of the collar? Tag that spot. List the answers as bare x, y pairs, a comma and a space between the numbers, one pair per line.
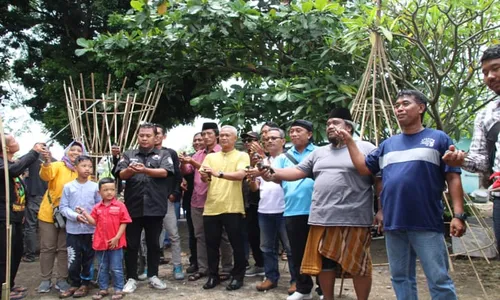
113, 202
309, 148
154, 150
217, 148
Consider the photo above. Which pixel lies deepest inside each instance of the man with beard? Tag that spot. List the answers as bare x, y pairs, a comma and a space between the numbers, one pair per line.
483, 156
145, 170
414, 177
341, 212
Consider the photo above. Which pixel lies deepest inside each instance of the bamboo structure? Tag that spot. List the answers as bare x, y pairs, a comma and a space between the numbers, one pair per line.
114, 120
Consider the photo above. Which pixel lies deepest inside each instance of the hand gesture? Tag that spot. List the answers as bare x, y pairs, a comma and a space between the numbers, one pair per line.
206, 173
47, 156
39, 147
113, 243
379, 221
454, 157
254, 172
138, 167
185, 159
457, 227
342, 133
81, 218
255, 147
79, 210
184, 185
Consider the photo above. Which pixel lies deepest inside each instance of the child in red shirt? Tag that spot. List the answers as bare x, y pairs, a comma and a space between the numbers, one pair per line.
110, 218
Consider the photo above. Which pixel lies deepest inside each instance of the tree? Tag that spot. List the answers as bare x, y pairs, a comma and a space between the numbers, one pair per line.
44, 33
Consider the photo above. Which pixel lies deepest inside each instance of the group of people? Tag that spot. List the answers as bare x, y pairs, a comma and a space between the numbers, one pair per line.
317, 201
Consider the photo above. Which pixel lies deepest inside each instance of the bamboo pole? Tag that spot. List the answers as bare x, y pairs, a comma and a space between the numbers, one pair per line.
8, 232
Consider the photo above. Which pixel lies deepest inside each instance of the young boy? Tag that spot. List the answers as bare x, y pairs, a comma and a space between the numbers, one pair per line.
79, 193
110, 218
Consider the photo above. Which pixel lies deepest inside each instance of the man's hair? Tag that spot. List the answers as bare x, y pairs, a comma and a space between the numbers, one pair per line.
149, 125
161, 127
198, 133
216, 131
106, 180
269, 124
492, 52
82, 158
6, 143
231, 128
282, 133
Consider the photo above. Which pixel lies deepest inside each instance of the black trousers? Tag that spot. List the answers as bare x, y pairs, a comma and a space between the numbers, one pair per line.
16, 251
193, 258
80, 258
253, 234
152, 228
298, 230
233, 225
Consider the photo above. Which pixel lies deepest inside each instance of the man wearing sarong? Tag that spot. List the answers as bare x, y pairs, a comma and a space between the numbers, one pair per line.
341, 210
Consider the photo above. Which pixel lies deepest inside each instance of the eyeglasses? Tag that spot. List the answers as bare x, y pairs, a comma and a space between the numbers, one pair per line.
272, 138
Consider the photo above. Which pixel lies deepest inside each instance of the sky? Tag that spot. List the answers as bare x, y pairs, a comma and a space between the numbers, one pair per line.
27, 131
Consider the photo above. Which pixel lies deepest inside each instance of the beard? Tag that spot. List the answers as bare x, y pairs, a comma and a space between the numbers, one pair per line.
334, 140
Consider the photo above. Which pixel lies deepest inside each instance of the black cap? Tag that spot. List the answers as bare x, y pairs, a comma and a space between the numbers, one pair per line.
304, 124
250, 134
210, 125
342, 113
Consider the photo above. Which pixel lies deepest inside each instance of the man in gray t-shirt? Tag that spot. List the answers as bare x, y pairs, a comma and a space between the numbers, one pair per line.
341, 210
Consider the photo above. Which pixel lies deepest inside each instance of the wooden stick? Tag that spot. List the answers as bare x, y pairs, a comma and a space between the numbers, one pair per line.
8, 232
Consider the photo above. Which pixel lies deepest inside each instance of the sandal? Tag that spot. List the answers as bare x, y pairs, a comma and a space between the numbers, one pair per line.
17, 296
195, 276
100, 295
68, 293
118, 296
82, 291
224, 277
19, 289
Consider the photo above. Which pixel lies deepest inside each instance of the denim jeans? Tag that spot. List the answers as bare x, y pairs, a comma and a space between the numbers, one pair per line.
403, 248
80, 259
31, 226
272, 226
110, 261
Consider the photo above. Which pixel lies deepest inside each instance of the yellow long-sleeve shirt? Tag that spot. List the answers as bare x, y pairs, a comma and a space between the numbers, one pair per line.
57, 175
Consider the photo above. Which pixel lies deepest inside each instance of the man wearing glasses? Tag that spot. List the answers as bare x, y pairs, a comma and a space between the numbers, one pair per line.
271, 220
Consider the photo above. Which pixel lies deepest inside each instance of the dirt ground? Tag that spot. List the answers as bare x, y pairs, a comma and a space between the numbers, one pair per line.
465, 279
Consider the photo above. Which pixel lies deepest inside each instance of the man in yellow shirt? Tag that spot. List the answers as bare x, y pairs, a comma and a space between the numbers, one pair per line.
224, 208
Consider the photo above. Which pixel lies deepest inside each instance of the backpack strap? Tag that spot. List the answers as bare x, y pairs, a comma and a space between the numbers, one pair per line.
491, 139
293, 160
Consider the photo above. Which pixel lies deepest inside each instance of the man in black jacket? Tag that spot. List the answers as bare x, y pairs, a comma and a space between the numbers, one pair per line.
17, 206
145, 170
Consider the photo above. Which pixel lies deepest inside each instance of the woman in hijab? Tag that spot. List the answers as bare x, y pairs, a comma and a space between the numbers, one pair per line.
53, 239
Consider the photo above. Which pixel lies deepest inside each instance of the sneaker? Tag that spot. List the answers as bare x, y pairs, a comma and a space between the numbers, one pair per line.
156, 283
44, 286
143, 276
178, 274
254, 271
62, 285
299, 296
130, 286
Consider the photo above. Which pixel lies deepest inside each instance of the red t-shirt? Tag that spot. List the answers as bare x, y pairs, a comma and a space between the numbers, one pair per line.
108, 219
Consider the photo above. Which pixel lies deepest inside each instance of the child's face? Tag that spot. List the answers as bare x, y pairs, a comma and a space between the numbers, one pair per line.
84, 169
107, 191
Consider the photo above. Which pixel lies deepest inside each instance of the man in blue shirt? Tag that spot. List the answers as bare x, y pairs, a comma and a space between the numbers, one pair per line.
414, 176
298, 195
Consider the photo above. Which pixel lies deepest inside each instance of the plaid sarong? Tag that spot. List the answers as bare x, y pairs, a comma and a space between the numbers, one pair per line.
347, 246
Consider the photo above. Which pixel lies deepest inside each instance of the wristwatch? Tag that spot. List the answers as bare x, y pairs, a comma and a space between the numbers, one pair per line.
461, 216
221, 175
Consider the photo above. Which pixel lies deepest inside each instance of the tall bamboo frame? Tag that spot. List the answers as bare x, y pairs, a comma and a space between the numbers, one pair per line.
114, 120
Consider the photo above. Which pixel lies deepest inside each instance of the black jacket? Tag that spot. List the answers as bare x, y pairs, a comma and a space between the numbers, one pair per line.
175, 181
16, 169
144, 195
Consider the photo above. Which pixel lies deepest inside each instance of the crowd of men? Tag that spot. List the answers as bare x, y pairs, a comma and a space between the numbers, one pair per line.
317, 202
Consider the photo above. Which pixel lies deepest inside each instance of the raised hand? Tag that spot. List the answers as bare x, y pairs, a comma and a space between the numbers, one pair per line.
454, 157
